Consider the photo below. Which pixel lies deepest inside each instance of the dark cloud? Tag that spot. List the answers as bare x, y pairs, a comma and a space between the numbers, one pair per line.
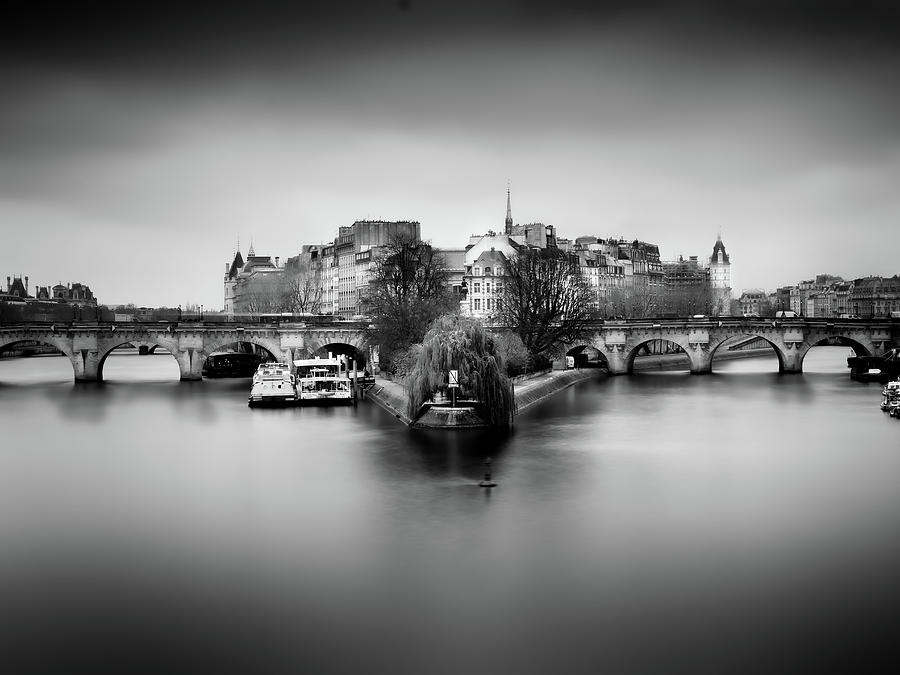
664, 120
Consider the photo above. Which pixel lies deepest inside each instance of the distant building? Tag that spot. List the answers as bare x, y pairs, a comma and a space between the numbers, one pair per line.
681, 274
754, 302
321, 279
485, 263
253, 286
720, 278
782, 301
875, 296
76, 294
16, 289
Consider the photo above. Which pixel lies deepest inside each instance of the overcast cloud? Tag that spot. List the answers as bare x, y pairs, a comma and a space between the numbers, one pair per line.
136, 148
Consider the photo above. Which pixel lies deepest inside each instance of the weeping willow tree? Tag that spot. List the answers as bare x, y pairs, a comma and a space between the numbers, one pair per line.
462, 344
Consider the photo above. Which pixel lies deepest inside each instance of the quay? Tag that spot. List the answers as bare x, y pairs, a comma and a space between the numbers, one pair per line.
529, 390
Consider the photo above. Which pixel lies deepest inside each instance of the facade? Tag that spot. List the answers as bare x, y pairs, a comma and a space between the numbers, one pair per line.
356, 250
254, 285
754, 302
830, 296
484, 266
782, 300
720, 278
875, 296
321, 279
681, 274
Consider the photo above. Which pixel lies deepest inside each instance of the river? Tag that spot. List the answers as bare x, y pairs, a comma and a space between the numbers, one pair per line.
738, 522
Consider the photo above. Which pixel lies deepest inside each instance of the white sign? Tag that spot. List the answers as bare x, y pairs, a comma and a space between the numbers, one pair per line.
454, 379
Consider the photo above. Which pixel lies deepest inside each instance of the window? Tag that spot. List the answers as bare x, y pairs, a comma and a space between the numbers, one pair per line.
490, 304
477, 304
477, 288
487, 287
487, 271
477, 272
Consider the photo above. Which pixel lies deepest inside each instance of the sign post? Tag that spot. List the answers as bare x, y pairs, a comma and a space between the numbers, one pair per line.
453, 384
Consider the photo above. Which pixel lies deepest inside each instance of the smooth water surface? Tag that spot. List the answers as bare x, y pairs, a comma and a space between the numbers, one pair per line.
741, 521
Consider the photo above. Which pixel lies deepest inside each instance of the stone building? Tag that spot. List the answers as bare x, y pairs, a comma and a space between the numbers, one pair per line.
254, 285
321, 279
754, 302
484, 267
720, 278
76, 293
875, 296
16, 289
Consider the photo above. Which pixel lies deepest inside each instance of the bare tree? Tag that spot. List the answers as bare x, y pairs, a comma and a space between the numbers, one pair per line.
407, 291
301, 288
636, 303
689, 300
546, 300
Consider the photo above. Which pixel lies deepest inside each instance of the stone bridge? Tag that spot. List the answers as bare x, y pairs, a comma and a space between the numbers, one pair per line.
618, 342
88, 345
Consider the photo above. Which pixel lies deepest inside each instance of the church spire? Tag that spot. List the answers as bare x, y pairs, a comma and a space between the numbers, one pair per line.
251, 252
509, 220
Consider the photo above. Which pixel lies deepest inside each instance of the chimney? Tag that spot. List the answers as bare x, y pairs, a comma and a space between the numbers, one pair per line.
26, 284
8, 284
227, 268
276, 260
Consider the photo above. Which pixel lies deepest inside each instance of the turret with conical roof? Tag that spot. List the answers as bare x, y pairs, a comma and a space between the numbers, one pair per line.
720, 278
719, 255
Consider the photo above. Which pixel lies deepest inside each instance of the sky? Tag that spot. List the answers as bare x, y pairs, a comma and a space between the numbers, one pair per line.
140, 143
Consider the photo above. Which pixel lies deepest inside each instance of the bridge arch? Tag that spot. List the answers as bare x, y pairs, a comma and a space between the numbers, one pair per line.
59, 343
358, 354
633, 352
587, 356
112, 345
49, 341
777, 348
197, 358
145, 347
837, 341
272, 347
858, 347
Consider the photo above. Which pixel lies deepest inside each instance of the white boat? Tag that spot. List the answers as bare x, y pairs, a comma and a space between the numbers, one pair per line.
272, 383
890, 397
323, 380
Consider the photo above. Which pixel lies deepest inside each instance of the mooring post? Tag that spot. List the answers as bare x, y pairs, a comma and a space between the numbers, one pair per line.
488, 481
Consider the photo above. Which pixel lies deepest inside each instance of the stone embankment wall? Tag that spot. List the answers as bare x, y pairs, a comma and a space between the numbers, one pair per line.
535, 390
392, 397
532, 389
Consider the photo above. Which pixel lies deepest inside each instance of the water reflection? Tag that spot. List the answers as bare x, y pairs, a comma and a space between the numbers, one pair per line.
739, 522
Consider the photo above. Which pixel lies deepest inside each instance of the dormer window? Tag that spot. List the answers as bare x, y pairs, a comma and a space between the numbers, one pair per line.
487, 271
477, 272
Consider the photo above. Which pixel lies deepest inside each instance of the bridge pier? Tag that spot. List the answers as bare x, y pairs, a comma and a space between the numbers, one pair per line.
701, 359
190, 363
616, 360
86, 364
791, 360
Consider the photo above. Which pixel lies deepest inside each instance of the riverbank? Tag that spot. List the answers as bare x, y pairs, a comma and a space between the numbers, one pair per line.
392, 397
529, 391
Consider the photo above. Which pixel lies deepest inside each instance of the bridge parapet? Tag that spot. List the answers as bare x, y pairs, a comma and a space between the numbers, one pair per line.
88, 345
791, 338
